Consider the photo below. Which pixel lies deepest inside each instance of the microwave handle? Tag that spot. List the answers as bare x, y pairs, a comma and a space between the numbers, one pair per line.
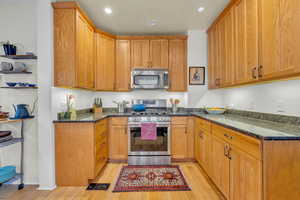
166, 79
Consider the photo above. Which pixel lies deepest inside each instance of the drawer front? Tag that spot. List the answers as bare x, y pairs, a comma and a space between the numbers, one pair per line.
121, 121
247, 144
180, 120
204, 125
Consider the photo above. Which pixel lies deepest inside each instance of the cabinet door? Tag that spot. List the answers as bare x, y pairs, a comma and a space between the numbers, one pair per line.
159, 54
213, 58
84, 54
279, 38
220, 165
140, 54
105, 63
245, 176
205, 150
177, 65
123, 67
246, 29
118, 142
229, 50
179, 141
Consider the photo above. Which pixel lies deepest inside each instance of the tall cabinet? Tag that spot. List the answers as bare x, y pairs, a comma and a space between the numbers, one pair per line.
123, 65
105, 63
73, 49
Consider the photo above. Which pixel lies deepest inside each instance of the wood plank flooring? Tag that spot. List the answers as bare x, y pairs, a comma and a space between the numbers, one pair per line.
201, 189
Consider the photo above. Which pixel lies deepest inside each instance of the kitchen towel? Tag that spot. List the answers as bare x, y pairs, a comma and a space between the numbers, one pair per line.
148, 131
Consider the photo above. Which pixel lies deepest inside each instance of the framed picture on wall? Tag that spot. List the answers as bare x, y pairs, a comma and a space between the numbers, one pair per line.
197, 75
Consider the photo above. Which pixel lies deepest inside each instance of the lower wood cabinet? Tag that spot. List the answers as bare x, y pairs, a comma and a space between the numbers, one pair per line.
179, 135
118, 139
220, 165
81, 151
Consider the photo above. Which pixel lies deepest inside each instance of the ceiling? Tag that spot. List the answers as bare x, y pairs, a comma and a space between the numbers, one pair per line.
136, 16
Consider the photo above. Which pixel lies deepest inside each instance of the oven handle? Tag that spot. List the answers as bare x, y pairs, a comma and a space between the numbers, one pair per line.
138, 125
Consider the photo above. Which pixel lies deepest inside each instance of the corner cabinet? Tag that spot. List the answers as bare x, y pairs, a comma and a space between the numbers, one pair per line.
123, 66
105, 63
177, 65
73, 49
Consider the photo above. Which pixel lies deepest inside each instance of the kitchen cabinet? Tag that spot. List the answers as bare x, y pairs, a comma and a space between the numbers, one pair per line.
220, 165
123, 66
118, 139
245, 176
179, 135
140, 52
177, 66
105, 63
236, 167
280, 43
73, 49
264, 43
81, 149
246, 30
203, 143
159, 54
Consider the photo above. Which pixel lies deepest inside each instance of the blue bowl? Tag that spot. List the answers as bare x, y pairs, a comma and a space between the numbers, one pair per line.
31, 85
138, 107
11, 84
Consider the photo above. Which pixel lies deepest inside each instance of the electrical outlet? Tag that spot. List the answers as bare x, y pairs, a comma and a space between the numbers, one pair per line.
280, 106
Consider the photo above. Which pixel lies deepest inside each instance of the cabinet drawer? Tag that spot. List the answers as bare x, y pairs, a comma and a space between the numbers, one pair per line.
180, 120
204, 125
248, 144
121, 121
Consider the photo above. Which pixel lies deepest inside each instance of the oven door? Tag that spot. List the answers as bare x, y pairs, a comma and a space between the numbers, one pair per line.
160, 146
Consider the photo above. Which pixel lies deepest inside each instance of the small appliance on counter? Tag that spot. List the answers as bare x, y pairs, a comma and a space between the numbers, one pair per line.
174, 103
149, 79
121, 106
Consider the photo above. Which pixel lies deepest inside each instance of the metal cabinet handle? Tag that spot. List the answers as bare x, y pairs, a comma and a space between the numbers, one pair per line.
228, 152
260, 71
254, 73
201, 134
225, 150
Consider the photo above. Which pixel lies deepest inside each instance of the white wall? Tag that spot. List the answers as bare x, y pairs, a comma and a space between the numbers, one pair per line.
18, 25
278, 98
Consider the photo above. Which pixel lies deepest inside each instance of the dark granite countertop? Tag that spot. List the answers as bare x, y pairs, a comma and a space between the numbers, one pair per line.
258, 128
262, 129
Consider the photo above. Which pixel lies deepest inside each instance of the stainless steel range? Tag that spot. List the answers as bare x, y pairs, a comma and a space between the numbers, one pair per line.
150, 152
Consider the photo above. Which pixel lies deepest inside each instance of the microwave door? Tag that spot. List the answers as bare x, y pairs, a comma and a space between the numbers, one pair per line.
142, 81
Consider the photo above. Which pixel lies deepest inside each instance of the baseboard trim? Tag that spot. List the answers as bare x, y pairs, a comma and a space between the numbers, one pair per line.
46, 187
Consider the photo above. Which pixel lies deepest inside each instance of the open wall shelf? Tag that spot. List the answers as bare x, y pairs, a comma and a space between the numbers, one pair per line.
32, 57
3, 72
20, 87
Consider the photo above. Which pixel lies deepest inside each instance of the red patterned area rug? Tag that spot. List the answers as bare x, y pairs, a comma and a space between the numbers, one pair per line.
151, 178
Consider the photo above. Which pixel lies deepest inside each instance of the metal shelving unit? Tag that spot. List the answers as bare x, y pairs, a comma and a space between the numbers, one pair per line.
19, 176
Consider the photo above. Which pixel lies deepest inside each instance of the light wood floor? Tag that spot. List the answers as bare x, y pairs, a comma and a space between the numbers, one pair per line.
201, 189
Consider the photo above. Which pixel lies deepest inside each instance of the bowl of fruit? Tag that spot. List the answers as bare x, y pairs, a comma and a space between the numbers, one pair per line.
215, 110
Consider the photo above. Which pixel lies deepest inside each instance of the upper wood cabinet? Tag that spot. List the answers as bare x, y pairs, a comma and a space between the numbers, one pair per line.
265, 42
177, 65
159, 54
123, 65
73, 50
105, 63
280, 42
150, 54
246, 38
140, 52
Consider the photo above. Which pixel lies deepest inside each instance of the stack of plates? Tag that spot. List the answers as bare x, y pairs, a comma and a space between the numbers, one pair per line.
5, 136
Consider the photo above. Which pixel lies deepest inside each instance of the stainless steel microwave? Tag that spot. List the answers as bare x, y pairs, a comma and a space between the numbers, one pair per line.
149, 79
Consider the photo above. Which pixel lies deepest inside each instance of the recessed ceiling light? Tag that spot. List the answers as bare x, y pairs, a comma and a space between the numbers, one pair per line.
200, 9
108, 11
